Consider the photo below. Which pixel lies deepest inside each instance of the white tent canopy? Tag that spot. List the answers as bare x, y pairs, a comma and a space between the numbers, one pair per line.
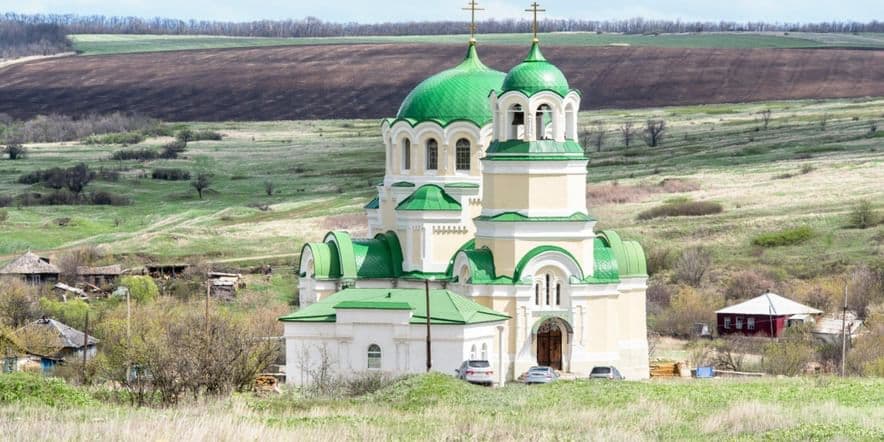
769, 304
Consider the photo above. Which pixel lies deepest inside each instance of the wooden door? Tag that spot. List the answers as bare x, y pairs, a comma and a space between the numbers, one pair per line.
549, 346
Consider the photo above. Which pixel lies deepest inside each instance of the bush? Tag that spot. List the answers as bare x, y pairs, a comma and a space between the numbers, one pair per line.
102, 198
141, 288
135, 155
746, 284
172, 150
74, 178
863, 215
170, 174
54, 128
788, 358
687, 307
692, 265
15, 151
787, 237
4, 215
682, 208
5, 201
33, 389
206, 135
115, 138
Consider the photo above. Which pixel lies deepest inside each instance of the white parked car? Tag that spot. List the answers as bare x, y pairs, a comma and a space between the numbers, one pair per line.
476, 372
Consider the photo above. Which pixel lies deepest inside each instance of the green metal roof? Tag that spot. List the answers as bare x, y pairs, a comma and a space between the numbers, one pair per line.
373, 204
604, 264
629, 254
326, 264
516, 217
518, 150
430, 197
445, 307
376, 304
343, 257
457, 94
535, 75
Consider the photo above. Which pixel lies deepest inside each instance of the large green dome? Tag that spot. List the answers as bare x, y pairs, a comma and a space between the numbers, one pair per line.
534, 75
459, 93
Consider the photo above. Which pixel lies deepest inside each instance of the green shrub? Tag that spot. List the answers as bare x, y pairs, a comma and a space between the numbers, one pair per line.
863, 216
787, 237
141, 288
73, 312
4, 215
135, 155
116, 138
682, 208
26, 388
206, 135
170, 174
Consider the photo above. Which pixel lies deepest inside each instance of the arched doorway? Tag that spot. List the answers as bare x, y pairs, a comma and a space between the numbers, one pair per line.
549, 344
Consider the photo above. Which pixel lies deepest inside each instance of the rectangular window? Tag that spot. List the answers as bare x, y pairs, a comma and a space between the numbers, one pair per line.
463, 156
750, 323
739, 323
406, 153
727, 322
432, 156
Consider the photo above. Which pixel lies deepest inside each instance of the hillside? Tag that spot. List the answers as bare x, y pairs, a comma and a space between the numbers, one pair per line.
370, 80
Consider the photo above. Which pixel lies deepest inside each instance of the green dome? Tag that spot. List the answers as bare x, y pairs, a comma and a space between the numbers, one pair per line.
534, 75
460, 93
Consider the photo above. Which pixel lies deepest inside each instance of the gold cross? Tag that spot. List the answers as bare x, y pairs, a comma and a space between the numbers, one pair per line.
535, 8
473, 7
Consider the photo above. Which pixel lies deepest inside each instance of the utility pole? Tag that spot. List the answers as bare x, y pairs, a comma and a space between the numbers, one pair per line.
429, 350
844, 333
85, 349
128, 335
208, 293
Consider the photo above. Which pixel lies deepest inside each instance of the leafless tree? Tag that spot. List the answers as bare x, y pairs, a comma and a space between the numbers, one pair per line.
268, 187
765, 117
627, 131
824, 121
692, 266
654, 132
594, 136
202, 182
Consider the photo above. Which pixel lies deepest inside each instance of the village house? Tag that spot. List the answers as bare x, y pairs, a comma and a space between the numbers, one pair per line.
56, 340
484, 202
765, 315
99, 277
31, 268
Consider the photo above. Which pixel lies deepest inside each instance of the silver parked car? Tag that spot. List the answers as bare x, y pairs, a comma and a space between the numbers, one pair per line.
476, 372
607, 372
540, 375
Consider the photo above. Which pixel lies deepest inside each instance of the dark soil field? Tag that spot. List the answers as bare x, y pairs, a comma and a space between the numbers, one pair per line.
369, 81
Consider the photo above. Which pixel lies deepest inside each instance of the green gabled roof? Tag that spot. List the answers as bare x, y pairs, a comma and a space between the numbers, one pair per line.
629, 254
430, 197
516, 217
604, 264
445, 307
373, 204
535, 74
457, 94
543, 150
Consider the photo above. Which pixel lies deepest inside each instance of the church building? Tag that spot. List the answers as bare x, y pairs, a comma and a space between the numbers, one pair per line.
484, 203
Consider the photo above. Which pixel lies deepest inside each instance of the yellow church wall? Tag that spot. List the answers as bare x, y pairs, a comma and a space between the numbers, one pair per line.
566, 193
504, 192
508, 252
445, 244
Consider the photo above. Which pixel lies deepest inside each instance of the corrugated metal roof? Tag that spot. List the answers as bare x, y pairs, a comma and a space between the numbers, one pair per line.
769, 304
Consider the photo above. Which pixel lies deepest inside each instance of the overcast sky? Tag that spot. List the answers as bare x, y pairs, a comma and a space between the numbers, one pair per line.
368, 11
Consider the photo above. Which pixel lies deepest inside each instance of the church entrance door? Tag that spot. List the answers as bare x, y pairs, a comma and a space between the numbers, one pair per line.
549, 345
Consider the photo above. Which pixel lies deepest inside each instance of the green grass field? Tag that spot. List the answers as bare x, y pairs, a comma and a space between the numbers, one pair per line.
437, 407
90, 44
792, 174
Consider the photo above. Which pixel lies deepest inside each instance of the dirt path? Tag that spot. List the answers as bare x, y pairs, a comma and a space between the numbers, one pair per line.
4, 63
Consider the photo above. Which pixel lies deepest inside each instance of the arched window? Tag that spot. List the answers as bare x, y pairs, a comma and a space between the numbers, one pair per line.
547, 289
558, 293
462, 154
570, 122
473, 352
374, 357
406, 154
484, 351
517, 121
537, 292
542, 118
432, 155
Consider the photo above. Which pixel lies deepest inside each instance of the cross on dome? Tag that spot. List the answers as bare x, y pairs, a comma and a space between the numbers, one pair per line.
473, 6
535, 8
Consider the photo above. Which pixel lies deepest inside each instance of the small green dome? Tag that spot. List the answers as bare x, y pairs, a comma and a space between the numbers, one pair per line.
534, 75
459, 93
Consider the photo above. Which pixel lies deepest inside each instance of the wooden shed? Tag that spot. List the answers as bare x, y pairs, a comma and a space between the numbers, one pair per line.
100, 276
32, 268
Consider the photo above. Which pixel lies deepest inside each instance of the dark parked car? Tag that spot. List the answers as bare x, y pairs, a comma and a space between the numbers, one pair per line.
606, 372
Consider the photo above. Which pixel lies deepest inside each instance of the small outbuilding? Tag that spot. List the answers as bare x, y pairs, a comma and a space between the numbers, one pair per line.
100, 276
32, 268
56, 340
767, 315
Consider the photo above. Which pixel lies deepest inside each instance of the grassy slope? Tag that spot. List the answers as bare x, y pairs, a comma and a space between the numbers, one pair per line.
115, 44
437, 407
328, 168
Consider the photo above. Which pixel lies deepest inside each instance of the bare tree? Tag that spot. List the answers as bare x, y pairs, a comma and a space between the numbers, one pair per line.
598, 136
268, 187
765, 117
15, 151
824, 121
202, 182
654, 132
627, 131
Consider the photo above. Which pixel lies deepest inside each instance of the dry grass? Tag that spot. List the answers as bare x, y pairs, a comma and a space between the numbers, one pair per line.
615, 193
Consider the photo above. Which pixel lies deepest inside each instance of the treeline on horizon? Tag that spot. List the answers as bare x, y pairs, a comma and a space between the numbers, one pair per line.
314, 27
21, 39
